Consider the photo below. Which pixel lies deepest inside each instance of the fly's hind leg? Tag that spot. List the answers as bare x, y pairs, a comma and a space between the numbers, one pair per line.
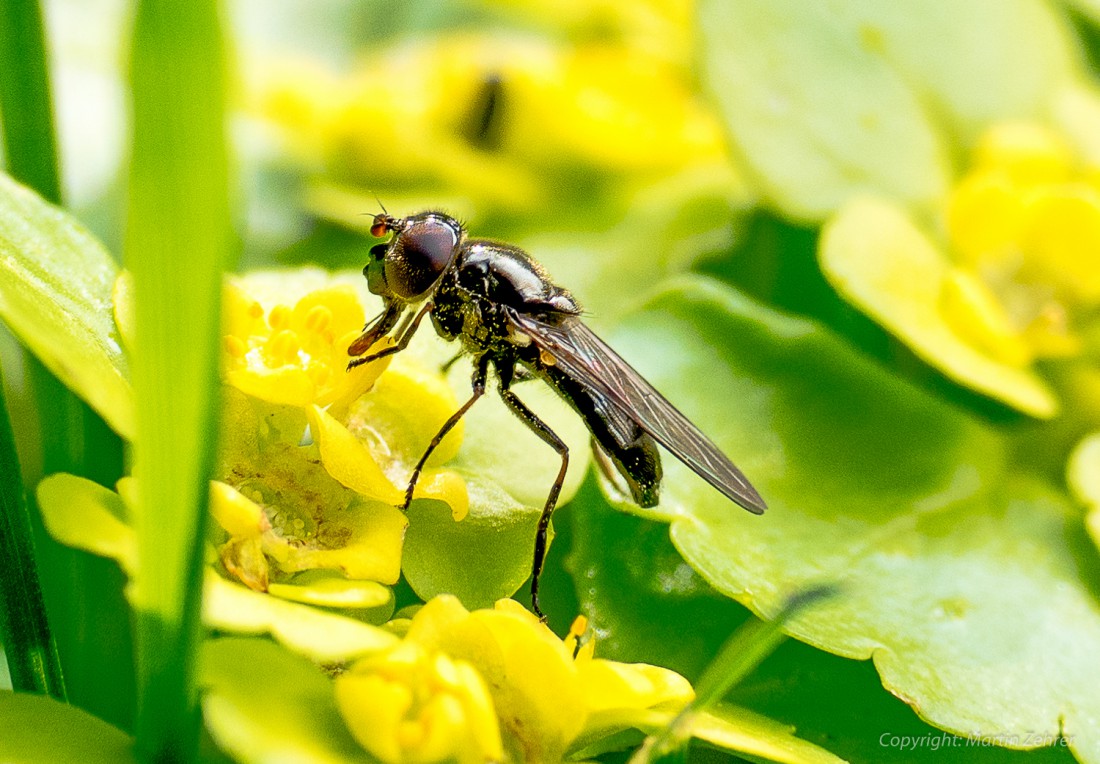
481, 372
551, 438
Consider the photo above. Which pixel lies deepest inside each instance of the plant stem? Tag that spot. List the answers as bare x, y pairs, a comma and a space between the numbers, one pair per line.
24, 629
31, 153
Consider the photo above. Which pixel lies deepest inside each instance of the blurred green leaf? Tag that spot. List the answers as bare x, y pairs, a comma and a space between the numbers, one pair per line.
39, 730
860, 101
55, 294
179, 241
264, 704
954, 578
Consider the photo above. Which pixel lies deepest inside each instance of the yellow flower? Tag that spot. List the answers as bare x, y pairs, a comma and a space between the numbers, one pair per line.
409, 704
544, 690
291, 506
1013, 280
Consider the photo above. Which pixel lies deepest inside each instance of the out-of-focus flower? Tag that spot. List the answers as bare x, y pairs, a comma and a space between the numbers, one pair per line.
659, 28
1083, 478
1010, 279
501, 121
543, 690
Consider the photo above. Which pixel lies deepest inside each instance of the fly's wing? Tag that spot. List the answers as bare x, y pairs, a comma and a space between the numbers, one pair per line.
577, 351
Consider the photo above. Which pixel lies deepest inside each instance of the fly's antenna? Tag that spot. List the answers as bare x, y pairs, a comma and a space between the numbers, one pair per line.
384, 210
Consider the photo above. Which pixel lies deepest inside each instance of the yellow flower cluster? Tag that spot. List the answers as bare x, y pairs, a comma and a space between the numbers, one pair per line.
490, 685
330, 504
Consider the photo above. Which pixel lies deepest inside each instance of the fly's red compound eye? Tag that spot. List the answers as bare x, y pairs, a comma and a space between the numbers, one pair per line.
423, 249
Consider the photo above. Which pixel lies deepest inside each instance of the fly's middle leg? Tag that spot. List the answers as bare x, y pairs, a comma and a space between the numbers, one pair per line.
551, 438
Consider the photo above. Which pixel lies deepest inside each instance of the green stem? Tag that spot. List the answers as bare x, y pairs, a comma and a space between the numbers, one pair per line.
24, 629
178, 244
29, 143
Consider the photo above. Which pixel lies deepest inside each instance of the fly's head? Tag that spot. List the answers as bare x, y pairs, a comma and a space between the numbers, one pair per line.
410, 264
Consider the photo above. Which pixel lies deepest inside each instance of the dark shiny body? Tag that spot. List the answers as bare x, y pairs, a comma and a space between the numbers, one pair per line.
478, 302
504, 309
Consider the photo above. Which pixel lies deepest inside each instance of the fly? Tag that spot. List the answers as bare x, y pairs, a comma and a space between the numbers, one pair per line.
504, 309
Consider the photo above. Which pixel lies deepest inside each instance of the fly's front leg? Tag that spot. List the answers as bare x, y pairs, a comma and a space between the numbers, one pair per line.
402, 342
376, 329
551, 438
481, 372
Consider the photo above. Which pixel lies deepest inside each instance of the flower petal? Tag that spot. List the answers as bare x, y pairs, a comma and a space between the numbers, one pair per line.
609, 684
1083, 476
372, 533
85, 515
326, 589
324, 637
285, 385
348, 460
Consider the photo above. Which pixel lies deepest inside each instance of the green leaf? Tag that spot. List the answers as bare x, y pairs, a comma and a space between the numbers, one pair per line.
264, 704
28, 645
641, 598
55, 294
639, 595
859, 101
973, 591
38, 730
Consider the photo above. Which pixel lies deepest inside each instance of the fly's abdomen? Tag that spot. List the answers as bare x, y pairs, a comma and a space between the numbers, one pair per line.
618, 437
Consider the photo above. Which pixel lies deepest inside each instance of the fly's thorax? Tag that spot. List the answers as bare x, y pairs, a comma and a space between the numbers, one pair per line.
508, 276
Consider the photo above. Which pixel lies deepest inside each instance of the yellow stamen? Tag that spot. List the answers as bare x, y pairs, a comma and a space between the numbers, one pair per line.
234, 345
282, 348
318, 319
279, 317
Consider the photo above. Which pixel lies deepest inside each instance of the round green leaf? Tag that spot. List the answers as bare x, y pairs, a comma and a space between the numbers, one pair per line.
826, 100
814, 113
638, 594
35, 729
972, 591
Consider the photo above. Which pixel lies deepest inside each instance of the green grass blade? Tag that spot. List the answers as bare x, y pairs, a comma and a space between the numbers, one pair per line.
24, 630
741, 653
30, 151
29, 143
178, 240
